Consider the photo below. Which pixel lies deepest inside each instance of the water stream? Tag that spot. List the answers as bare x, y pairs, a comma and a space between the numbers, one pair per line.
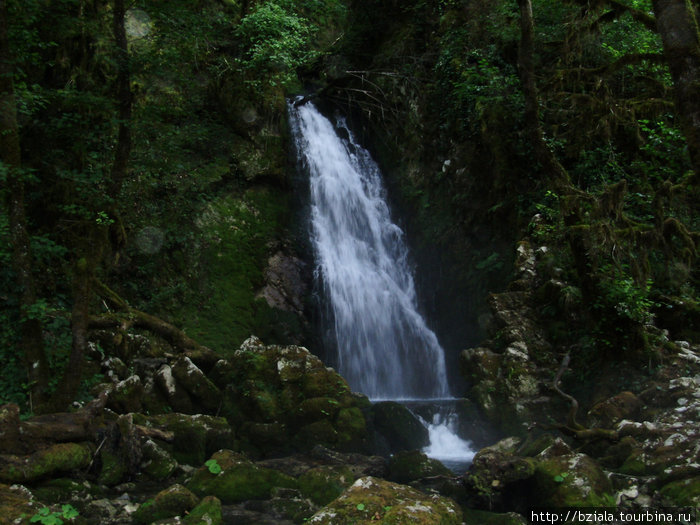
384, 347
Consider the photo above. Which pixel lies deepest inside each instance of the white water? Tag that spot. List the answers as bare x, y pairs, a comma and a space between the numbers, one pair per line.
384, 347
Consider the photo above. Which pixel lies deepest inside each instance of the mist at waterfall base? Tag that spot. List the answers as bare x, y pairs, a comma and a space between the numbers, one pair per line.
384, 347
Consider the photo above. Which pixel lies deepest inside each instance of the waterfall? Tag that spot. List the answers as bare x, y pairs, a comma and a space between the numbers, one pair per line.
384, 347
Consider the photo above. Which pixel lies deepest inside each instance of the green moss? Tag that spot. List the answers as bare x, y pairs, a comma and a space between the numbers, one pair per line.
113, 468
407, 466
63, 457
323, 484
352, 421
372, 500
239, 479
208, 512
571, 481
685, 492
236, 231
173, 501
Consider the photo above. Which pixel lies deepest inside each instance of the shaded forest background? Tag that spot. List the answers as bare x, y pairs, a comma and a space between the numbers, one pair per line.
146, 180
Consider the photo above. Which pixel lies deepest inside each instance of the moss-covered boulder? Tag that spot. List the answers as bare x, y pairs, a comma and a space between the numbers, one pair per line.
195, 437
17, 504
173, 501
207, 512
498, 478
398, 426
290, 389
202, 390
59, 458
157, 463
126, 395
571, 480
480, 517
325, 483
371, 500
408, 466
233, 478
682, 493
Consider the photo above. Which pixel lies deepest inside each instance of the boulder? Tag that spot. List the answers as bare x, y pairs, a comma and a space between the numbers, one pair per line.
299, 401
325, 483
16, 502
371, 500
173, 501
570, 480
56, 459
398, 426
412, 465
233, 478
202, 390
195, 437
207, 512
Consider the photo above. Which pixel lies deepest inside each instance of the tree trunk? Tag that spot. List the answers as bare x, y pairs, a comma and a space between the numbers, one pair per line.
553, 170
10, 154
124, 100
678, 27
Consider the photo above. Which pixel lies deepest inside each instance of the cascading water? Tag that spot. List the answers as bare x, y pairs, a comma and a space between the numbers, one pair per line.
384, 346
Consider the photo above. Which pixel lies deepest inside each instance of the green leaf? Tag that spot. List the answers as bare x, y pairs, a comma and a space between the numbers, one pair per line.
213, 466
360, 506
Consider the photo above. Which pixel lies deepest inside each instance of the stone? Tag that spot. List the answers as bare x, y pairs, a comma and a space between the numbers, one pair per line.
401, 429
195, 437
411, 465
238, 479
207, 512
202, 390
173, 501
611, 411
16, 502
56, 459
571, 480
157, 463
126, 395
325, 483
9, 428
371, 500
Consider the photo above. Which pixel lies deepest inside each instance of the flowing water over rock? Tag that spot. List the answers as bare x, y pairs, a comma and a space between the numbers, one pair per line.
384, 347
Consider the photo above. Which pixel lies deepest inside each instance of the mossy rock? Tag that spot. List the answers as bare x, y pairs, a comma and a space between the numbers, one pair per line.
238, 480
480, 517
316, 433
195, 436
572, 480
411, 465
63, 489
59, 458
323, 484
207, 512
114, 468
324, 382
17, 504
402, 430
372, 500
316, 408
352, 421
157, 463
197, 384
127, 395
173, 501
682, 493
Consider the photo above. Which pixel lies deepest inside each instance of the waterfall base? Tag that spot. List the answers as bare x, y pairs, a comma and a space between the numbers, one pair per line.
441, 419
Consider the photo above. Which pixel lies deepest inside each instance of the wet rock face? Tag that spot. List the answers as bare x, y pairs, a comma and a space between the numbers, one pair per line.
285, 286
